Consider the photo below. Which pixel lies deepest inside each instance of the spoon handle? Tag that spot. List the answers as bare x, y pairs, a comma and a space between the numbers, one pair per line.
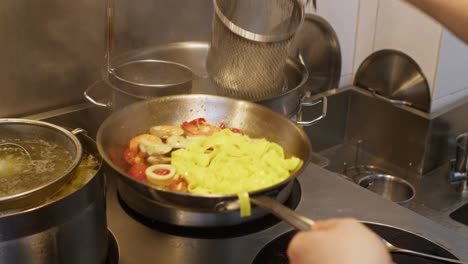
405, 251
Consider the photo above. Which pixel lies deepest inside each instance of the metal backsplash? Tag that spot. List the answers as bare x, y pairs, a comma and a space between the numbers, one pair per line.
441, 146
331, 130
410, 139
52, 50
389, 132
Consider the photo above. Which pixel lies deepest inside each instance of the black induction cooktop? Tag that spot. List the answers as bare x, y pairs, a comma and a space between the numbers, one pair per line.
275, 251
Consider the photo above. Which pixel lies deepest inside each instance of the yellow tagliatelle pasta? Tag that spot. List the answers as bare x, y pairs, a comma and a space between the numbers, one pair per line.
229, 163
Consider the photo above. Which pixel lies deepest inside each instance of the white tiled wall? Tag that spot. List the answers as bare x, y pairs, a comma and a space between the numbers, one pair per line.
452, 73
366, 26
342, 15
403, 27
392, 24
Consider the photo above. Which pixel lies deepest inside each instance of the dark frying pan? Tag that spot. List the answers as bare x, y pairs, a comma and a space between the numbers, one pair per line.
254, 119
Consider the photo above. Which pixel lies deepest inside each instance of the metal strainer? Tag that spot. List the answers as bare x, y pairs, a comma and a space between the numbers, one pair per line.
250, 44
21, 148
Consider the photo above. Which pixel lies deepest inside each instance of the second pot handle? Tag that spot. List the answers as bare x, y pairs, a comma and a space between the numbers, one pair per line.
96, 86
78, 130
305, 102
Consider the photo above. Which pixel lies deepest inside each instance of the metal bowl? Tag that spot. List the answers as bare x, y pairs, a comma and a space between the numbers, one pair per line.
389, 187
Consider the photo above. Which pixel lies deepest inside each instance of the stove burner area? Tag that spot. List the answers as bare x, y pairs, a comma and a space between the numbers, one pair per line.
275, 251
216, 232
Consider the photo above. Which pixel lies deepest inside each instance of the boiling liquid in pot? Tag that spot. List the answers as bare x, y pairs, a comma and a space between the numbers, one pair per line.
20, 173
88, 167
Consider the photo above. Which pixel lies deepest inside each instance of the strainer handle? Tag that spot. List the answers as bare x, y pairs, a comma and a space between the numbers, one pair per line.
109, 31
308, 103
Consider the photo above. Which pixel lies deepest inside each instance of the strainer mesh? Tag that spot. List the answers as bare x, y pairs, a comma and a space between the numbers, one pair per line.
251, 69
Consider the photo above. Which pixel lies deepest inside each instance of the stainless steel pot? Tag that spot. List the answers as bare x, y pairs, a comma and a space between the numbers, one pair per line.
292, 102
105, 93
152, 78
121, 87
254, 119
142, 77
71, 230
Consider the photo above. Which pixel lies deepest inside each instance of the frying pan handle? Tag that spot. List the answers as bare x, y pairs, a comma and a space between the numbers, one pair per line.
305, 102
97, 86
296, 220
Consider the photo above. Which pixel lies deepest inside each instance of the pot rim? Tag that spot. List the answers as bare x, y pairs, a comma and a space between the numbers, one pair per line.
130, 56
301, 68
168, 85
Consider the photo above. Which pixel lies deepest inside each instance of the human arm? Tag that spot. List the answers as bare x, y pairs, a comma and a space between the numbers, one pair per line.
338, 241
453, 14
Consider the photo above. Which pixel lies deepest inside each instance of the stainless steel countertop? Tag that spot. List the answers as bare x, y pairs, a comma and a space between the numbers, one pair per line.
435, 197
324, 195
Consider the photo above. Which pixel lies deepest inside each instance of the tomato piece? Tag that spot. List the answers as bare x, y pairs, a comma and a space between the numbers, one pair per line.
162, 171
192, 127
179, 185
198, 121
209, 150
189, 129
137, 171
129, 156
234, 130
238, 131
132, 157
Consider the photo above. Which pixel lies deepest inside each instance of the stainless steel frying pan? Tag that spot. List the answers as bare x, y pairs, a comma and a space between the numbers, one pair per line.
254, 119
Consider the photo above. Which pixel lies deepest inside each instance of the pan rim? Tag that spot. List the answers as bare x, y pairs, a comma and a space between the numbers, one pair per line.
121, 172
